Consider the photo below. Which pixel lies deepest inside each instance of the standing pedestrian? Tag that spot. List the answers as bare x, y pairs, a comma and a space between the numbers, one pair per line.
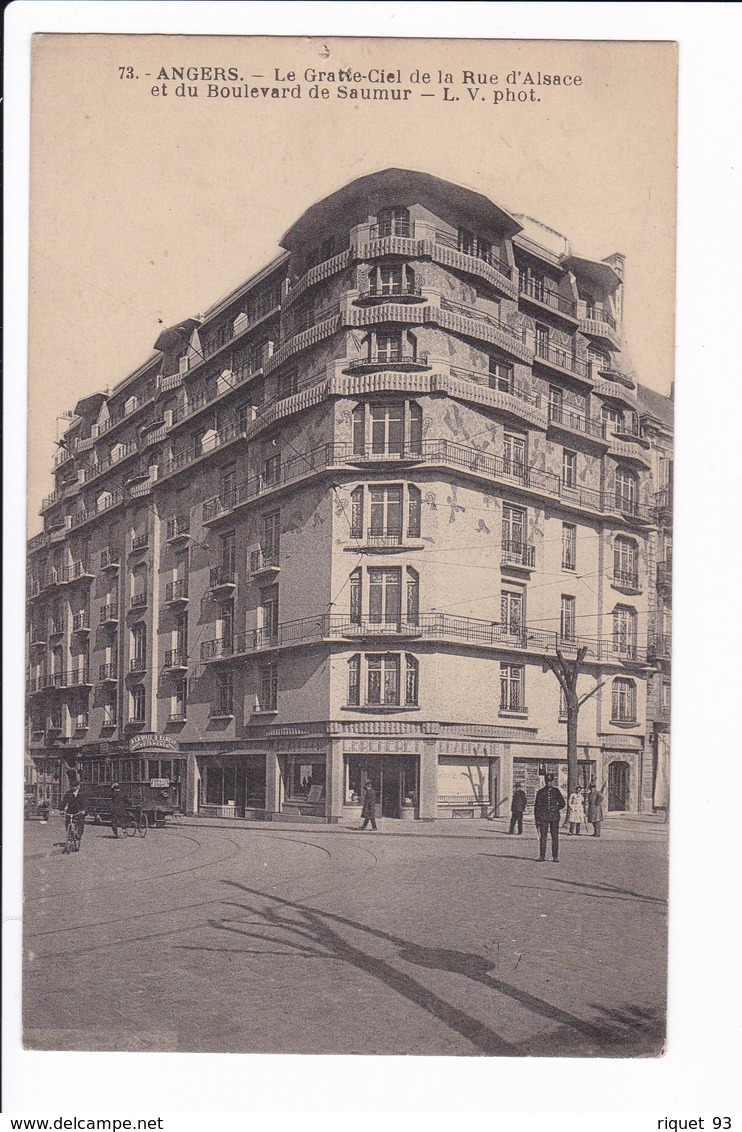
546, 810
368, 813
576, 811
518, 808
120, 808
595, 809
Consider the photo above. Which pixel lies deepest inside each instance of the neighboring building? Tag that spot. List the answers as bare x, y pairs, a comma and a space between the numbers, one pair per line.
328, 532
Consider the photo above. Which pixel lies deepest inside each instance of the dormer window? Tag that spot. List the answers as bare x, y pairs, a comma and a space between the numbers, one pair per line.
393, 222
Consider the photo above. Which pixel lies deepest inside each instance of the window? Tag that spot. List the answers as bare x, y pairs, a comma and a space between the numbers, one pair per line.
390, 279
384, 595
611, 417
288, 384
138, 702
109, 712
228, 482
627, 489
623, 701
354, 681
139, 645
393, 222
512, 685
272, 469
389, 347
269, 612
473, 245
501, 376
393, 429
512, 605
514, 454
387, 429
414, 499
356, 513
568, 622
624, 631
556, 403
270, 542
356, 601
386, 510
382, 679
225, 624
412, 681
542, 340
665, 696
227, 553
626, 562
413, 596
513, 528
359, 430
268, 688
569, 468
569, 546
179, 699
224, 694
181, 634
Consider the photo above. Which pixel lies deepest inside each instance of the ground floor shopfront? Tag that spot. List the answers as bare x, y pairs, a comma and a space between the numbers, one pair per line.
424, 777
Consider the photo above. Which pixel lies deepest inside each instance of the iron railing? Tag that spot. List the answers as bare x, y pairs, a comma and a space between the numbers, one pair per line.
535, 289
109, 612
577, 422
177, 590
518, 553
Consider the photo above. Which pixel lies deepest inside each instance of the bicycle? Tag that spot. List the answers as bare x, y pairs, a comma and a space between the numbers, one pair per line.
75, 823
135, 823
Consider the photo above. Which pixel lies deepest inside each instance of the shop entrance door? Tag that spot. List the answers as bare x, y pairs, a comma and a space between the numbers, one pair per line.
393, 777
618, 786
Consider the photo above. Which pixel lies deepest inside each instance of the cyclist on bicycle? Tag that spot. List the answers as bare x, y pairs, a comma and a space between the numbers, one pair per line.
73, 808
120, 808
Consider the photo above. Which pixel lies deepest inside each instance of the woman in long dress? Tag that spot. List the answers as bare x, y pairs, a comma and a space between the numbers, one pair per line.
576, 811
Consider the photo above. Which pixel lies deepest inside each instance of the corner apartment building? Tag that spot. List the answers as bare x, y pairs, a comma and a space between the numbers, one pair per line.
329, 530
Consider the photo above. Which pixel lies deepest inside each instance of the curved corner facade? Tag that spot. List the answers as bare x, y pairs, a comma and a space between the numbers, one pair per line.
329, 532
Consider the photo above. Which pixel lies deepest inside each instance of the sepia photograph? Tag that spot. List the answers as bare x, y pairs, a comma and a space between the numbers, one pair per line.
349, 558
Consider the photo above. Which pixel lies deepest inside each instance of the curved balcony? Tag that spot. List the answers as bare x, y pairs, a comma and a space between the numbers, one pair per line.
402, 360
471, 322
534, 291
599, 323
401, 292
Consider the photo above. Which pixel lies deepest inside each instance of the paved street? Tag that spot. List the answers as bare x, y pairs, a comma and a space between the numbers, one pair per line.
449, 938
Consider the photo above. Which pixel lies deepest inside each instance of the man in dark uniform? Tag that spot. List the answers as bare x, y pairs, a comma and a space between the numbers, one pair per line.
518, 808
368, 813
73, 807
120, 807
546, 810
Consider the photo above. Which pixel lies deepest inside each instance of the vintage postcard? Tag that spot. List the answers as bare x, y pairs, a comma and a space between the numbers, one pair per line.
350, 521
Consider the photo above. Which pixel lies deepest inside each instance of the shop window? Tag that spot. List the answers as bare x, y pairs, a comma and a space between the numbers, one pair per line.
623, 701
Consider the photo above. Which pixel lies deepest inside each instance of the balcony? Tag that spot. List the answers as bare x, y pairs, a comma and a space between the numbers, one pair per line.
176, 593
401, 292
50, 500
381, 538
564, 361
626, 580
475, 323
534, 291
224, 648
177, 716
140, 542
264, 561
664, 574
178, 529
138, 603
137, 664
659, 646
76, 572
109, 559
80, 623
57, 628
107, 673
518, 554
600, 323
81, 722
109, 719
79, 678
36, 637
568, 420
136, 721
222, 578
109, 614
663, 504
176, 659
54, 724
388, 359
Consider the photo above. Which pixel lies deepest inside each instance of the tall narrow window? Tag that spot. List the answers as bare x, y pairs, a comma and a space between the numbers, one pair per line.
389, 347
354, 681
413, 513
568, 623
556, 403
138, 704
387, 429
356, 513
623, 701
514, 455
412, 680
356, 613
269, 612
226, 625
224, 694
513, 528
271, 537
386, 511
139, 646
359, 430
627, 489
511, 611
268, 688
227, 551
569, 468
512, 682
383, 679
384, 595
500, 376
416, 427
626, 562
413, 596
542, 341
624, 631
180, 699
569, 546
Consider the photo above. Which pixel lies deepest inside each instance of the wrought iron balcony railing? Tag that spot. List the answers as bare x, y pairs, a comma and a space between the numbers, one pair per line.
518, 553
535, 289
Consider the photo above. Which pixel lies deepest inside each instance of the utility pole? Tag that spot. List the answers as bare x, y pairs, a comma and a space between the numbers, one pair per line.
567, 673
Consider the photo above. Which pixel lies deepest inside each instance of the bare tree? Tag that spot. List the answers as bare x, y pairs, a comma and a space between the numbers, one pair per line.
567, 673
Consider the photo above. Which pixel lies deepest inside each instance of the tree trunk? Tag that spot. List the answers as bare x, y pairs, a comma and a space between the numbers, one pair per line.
573, 712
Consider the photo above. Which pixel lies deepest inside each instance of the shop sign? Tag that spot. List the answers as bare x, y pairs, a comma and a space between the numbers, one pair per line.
151, 741
159, 783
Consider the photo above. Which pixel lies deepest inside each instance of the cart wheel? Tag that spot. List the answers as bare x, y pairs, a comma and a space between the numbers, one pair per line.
130, 826
142, 825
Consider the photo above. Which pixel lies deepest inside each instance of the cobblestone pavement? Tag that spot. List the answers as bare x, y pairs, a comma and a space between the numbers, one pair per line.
449, 938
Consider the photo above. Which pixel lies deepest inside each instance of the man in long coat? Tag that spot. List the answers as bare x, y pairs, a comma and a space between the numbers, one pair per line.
546, 810
518, 808
368, 813
595, 809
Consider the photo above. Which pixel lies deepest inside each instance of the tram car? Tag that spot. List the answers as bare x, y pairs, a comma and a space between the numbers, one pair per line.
152, 785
